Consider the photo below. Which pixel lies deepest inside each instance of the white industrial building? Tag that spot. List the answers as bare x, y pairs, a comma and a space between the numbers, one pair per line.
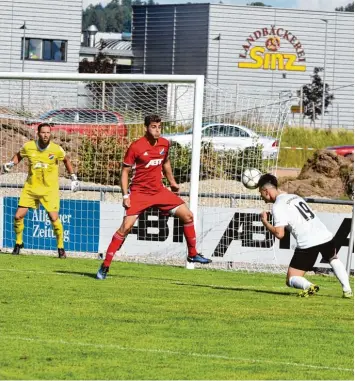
250, 51
41, 36
247, 51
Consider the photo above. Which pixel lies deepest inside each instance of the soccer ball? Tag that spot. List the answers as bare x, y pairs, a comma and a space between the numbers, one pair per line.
250, 178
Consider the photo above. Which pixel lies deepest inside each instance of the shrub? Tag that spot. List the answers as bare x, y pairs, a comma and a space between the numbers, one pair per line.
181, 158
214, 164
100, 158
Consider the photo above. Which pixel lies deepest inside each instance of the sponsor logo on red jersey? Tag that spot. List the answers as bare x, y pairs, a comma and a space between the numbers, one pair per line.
154, 163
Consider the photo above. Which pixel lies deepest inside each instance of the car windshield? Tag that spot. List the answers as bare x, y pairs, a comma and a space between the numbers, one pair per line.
47, 114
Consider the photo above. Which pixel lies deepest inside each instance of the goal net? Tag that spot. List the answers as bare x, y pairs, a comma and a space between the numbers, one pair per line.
214, 136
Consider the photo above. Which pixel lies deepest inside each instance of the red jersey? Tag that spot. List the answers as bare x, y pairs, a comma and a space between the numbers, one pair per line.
147, 162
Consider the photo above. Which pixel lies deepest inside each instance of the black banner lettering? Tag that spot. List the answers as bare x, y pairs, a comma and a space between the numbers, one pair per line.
244, 227
341, 236
153, 219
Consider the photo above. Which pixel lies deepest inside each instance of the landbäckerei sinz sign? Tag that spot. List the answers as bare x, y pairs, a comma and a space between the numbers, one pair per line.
264, 49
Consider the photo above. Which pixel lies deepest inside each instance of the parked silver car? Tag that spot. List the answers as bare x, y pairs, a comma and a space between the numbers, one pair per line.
229, 137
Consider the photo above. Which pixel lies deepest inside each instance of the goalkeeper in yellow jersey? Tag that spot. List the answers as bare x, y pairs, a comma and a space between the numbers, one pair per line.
42, 184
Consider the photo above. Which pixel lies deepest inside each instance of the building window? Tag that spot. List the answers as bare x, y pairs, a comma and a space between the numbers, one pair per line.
45, 50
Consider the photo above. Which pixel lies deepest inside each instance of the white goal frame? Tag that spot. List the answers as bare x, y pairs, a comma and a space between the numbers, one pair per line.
196, 80
237, 228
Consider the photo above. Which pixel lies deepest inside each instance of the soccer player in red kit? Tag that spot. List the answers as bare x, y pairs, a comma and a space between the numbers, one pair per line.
148, 157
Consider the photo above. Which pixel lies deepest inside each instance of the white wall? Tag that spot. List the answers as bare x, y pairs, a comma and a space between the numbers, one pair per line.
52, 19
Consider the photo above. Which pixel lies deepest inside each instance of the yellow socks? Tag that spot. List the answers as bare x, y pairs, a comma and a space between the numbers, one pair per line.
19, 226
59, 233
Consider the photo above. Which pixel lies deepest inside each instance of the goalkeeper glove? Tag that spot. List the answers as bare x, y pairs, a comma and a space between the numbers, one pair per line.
7, 167
75, 185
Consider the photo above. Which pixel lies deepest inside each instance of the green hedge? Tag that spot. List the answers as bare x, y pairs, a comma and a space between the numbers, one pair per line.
100, 159
214, 164
100, 156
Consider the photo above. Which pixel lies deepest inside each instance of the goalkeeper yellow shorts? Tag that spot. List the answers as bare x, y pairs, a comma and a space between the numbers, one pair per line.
49, 201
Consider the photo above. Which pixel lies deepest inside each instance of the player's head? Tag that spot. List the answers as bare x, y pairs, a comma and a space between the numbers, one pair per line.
267, 185
152, 126
44, 133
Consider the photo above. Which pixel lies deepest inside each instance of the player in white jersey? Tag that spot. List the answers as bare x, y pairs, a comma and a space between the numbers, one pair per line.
312, 236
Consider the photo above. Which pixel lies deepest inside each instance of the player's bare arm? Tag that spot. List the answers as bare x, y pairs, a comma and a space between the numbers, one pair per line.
124, 185
16, 158
168, 172
68, 165
277, 231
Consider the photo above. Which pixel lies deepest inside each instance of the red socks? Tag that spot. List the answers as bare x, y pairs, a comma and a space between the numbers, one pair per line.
118, 239
190, 236
116, 243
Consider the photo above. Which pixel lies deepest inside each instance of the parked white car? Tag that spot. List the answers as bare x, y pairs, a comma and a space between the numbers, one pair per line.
229, 137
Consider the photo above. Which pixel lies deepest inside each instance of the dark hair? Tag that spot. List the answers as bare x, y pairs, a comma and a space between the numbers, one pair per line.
39, 128
151, 118
268, 178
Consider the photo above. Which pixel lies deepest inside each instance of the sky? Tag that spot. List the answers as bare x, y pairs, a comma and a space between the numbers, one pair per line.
321, 5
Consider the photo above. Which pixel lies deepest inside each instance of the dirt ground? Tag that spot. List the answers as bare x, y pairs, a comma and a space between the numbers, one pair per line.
287, 172
324, 175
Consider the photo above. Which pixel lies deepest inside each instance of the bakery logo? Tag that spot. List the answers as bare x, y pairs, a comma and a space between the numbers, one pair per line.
268, 54
273, 44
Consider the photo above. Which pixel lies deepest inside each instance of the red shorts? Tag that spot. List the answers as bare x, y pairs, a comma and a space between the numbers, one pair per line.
164, 200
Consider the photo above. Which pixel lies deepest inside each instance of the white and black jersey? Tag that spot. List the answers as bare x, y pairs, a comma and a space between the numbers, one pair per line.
296, 215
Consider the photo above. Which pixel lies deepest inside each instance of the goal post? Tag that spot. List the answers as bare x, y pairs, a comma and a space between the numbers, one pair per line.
215, 134
16, 86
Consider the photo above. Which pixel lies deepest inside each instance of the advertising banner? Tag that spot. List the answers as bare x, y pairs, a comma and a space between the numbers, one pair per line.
80, 220
223, 234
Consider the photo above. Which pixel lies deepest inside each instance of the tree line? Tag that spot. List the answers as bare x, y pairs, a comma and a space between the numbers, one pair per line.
115, 17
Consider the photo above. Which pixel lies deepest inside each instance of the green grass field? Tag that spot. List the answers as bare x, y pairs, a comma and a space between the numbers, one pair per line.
150, 322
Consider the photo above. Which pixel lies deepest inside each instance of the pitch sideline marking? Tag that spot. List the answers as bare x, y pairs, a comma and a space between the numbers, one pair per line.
168, 352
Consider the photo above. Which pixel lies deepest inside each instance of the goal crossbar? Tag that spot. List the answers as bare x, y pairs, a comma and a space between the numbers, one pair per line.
101, 77
196, 80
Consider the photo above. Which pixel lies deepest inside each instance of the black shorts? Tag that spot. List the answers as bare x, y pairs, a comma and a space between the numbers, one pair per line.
304, 259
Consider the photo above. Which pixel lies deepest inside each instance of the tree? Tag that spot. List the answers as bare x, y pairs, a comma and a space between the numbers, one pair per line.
258, 4
313, 96
347, 8
113, 17
101, 64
